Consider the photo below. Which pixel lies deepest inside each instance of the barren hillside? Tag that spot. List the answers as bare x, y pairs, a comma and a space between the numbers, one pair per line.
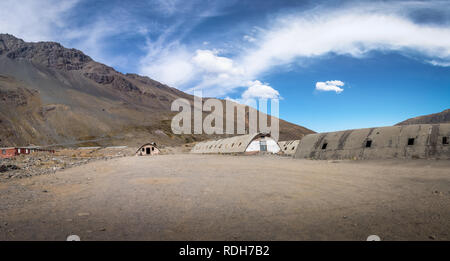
53, 95
440, 117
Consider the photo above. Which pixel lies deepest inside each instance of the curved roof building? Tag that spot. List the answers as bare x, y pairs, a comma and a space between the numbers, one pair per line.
407, 141
250, 143
289, 147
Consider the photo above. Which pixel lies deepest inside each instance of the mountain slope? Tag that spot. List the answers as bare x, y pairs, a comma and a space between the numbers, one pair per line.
440, 117
53, 95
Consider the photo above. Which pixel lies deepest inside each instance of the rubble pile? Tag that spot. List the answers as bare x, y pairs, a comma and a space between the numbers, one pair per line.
47, 163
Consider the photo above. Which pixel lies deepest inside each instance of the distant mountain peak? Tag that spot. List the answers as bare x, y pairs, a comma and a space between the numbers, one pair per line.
51, 54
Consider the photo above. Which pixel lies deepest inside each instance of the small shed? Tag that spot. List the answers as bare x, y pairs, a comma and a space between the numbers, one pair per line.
148, 149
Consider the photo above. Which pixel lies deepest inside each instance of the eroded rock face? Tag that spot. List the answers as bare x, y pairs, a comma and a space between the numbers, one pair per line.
51, 54
100, 78
125, 85
15, 97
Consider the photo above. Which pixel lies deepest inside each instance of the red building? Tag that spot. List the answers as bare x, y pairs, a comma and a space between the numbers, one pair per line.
14, 151
8, 152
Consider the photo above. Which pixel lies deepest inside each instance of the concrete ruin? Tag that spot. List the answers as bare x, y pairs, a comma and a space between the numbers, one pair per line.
248, 144
407, 141
289, 147
148, 149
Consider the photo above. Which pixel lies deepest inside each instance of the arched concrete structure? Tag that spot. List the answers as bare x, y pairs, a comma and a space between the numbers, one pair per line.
250, 143
289, 147
407, 141
148, 149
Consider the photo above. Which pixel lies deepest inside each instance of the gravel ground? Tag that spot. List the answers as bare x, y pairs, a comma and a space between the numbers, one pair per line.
39, 163
217, 197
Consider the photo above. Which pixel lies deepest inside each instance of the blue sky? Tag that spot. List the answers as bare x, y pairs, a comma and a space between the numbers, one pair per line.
334, 64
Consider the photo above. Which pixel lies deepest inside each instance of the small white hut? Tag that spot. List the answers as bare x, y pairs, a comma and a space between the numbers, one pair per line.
148, 149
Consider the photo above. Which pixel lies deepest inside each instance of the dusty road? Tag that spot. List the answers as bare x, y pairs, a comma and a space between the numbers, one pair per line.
214, 197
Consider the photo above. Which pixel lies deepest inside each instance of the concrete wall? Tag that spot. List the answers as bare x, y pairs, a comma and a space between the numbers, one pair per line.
386, 142
236, 144
289, 147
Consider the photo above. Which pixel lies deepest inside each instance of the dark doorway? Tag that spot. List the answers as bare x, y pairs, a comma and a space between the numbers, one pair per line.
445, 140
368, 144
147, 151
263, 145
324, 146
411, 141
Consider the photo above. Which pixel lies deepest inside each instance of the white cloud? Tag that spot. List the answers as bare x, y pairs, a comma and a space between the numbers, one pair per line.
210, 62
330, 86
256, 90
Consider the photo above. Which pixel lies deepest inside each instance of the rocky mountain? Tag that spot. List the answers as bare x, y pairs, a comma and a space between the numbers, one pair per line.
53, 95
440, 117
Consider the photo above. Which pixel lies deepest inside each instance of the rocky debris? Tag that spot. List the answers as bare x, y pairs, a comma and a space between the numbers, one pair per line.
5, 168
45, 163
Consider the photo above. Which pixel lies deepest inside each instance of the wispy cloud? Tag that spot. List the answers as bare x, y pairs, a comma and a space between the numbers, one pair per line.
222, 69
350, 31
439, 63
34, 20
353, 32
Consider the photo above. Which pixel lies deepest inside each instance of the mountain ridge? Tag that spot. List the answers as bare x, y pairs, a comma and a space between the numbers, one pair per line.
50, 94
440, 117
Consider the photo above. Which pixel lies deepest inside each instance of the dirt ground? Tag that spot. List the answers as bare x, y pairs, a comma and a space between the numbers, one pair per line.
38, 163
217, 197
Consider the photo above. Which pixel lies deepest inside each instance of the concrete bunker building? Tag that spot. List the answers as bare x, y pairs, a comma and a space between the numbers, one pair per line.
248, 144
148, 149
289, 147
406, 141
